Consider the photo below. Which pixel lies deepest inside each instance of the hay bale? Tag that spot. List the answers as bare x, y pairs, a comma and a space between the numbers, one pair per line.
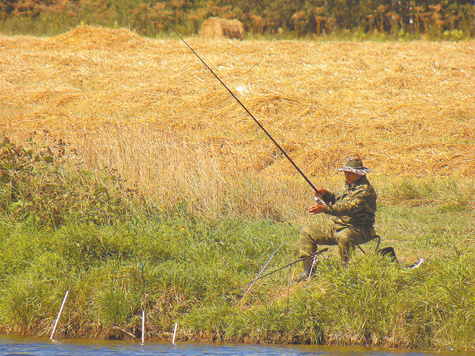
215, 27
90, 37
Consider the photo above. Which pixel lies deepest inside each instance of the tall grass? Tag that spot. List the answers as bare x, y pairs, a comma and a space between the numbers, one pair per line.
370, 302
192, 269
192, 176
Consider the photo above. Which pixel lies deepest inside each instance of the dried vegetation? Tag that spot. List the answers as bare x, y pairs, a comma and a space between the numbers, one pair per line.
150, 109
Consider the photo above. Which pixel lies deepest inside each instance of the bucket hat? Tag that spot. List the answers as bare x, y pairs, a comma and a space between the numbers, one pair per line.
354, 165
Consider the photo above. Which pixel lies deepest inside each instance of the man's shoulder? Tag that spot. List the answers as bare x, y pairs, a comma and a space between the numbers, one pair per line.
365, 187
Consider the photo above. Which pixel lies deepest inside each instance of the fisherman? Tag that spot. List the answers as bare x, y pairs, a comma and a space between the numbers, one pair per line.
353, 213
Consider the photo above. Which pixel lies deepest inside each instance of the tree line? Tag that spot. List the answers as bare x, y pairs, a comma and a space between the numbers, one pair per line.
450, 19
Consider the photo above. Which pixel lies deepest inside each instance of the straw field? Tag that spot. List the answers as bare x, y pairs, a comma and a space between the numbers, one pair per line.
151, 110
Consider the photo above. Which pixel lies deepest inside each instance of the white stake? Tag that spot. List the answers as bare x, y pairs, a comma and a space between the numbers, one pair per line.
59, 314
143, 325
174, 333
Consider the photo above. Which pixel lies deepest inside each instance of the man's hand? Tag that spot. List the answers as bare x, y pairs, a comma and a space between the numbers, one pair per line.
316, 209
320, 192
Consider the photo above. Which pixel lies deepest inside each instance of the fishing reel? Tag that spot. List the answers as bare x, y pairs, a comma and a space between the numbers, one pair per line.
319, 201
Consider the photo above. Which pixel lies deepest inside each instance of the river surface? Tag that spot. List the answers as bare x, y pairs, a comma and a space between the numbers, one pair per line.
10, 346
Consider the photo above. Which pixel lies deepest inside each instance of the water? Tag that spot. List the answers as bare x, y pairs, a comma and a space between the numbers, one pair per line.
10, 346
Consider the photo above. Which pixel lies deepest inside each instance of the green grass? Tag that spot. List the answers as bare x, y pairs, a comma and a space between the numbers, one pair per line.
195, 273
119, 254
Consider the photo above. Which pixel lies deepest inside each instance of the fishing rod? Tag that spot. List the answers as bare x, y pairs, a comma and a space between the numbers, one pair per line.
240, 103
294, 262
260, 275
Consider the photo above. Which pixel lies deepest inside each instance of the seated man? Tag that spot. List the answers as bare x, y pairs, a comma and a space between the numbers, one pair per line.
353, 212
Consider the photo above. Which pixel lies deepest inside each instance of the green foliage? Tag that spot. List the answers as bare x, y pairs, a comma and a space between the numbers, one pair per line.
447, 20
120, 297
40, 186
81, 245
195, 272
33, 291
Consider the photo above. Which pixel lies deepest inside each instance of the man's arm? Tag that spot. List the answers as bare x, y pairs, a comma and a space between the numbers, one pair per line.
349, 207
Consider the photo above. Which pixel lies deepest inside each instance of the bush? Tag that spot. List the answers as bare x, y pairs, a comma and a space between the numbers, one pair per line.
42, 186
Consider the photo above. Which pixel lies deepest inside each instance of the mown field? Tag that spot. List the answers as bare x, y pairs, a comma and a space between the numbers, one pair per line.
132, 177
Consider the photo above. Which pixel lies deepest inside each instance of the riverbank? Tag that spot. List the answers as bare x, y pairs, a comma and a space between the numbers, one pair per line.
193, 271
131, 180
198, 283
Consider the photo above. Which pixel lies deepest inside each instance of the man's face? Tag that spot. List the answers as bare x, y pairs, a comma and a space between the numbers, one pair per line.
351, 177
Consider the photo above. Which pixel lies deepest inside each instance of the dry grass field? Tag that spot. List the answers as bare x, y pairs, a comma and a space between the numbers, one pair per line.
150, 109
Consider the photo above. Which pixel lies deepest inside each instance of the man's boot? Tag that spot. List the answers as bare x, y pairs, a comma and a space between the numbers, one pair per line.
307, 266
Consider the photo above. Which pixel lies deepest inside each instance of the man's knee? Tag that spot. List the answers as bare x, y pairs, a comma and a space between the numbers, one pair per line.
306, 242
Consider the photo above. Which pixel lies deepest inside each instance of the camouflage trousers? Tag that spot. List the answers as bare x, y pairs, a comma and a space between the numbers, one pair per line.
345, 237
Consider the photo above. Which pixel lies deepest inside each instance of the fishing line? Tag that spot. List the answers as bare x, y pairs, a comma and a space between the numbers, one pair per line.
260, 272
294, 262
240, 103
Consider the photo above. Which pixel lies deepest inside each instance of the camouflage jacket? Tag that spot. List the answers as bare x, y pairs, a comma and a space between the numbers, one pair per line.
355, 206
